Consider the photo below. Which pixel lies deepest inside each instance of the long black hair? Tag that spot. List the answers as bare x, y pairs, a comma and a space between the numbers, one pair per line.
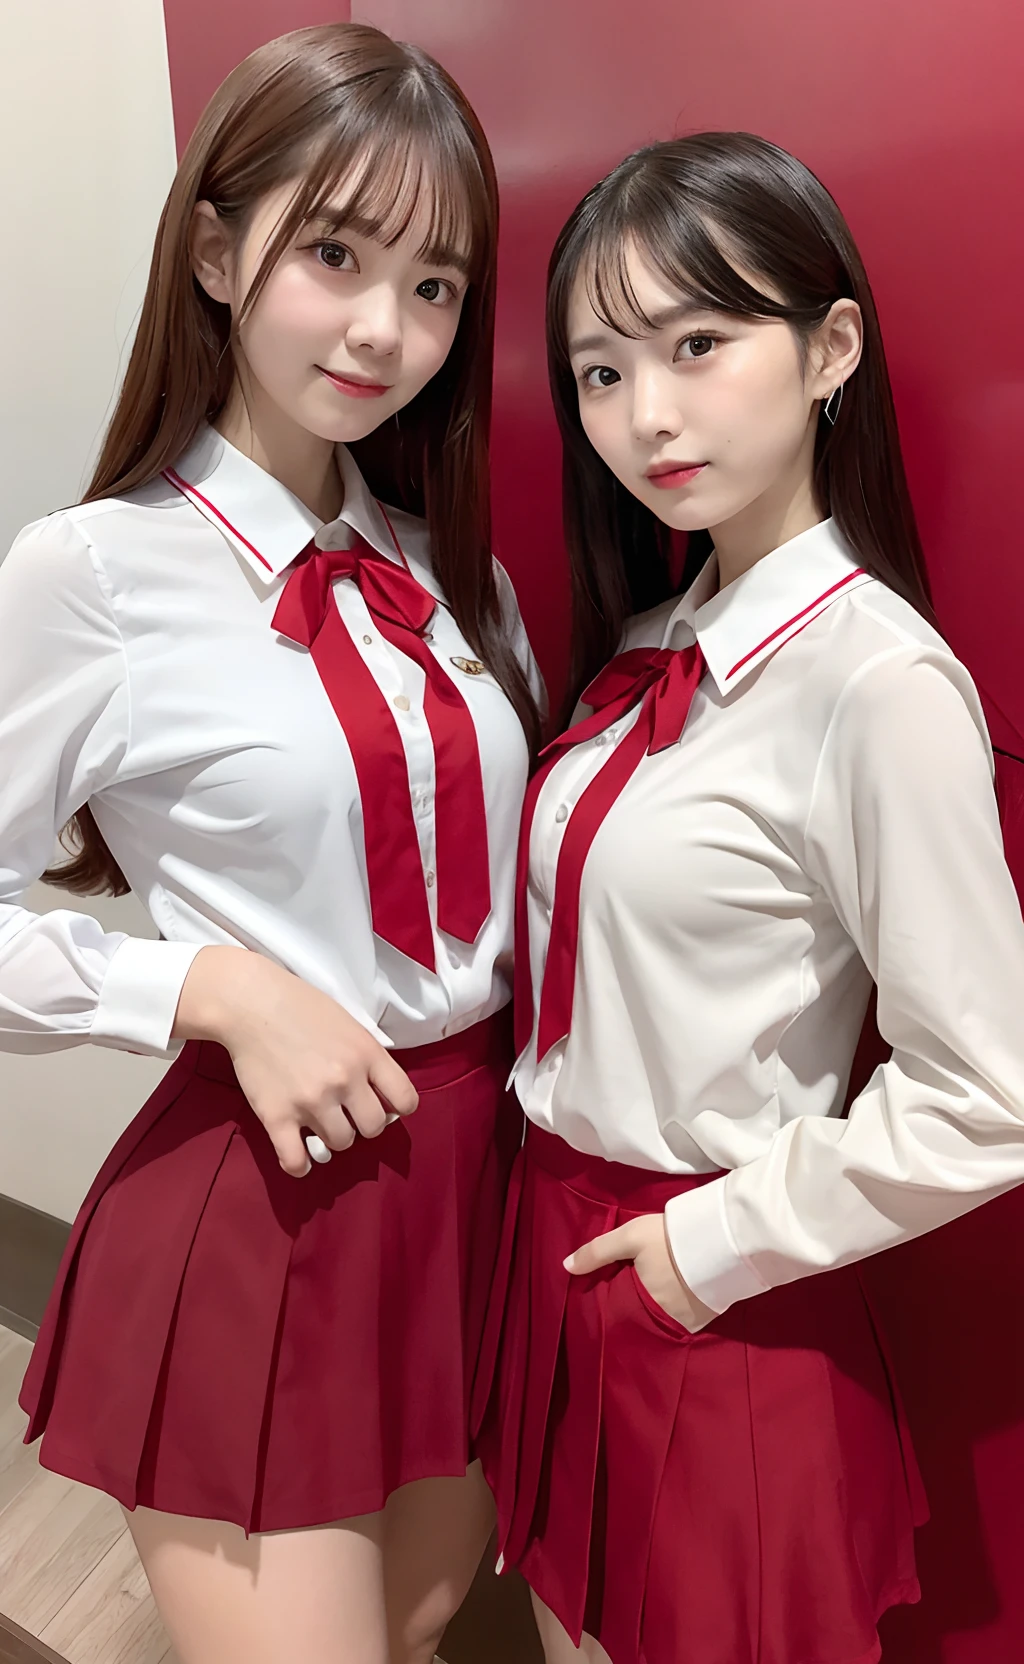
698, 208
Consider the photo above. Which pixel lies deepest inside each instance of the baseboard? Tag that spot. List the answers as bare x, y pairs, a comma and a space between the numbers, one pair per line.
17, 1646
31, 1246
20, 1325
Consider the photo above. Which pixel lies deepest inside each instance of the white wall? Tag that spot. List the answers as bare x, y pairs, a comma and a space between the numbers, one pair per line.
86, 157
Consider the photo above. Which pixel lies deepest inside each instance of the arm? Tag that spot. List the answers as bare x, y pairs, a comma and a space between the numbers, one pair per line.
903, 837
64, 730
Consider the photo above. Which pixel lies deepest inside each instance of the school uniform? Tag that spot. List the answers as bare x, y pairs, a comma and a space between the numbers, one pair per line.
290, 747
780, 793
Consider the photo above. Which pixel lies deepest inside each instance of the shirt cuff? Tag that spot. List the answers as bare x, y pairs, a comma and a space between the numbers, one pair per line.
704, 1249
139, 996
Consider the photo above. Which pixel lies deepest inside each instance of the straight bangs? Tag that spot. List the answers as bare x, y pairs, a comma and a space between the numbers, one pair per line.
677, 245
374, 167
650, 212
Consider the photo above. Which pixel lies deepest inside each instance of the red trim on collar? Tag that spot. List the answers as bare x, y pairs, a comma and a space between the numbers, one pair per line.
190, 491
860, 573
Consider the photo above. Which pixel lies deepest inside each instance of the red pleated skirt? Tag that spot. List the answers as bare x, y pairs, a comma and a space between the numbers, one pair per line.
231, 1343
744, 1495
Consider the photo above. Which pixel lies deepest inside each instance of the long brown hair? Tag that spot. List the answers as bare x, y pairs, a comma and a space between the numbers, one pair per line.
341, 104
683, 204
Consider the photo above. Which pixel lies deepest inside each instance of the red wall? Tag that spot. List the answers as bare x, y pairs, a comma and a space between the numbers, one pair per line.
911, 113
207, 38
913, 116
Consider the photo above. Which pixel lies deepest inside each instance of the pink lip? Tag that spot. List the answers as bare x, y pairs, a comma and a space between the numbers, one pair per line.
672, 476
355, 389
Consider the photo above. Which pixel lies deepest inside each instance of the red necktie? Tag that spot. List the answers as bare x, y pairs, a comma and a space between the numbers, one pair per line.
402, 609
666, 682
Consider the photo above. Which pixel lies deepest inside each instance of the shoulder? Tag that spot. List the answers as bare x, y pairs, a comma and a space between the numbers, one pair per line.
897, 662
913, 704
895, 700
880, 615
867, 659
56, 550
86, 537
54, 586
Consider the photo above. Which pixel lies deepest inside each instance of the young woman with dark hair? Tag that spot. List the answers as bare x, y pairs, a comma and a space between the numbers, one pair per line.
778, 792
297, 723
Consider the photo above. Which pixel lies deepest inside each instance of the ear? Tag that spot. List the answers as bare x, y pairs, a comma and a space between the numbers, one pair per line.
211, 250
835, 349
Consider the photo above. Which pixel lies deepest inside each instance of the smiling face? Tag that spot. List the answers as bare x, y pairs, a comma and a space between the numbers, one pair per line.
708, 417
346, 330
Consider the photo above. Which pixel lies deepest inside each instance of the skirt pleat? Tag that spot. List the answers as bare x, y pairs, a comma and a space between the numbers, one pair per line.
230, 1304
644, 1379
709, 1500
122, 1297
568, 1488
513, 1387
744, 1495
546, 1300
227, 1342
40, 1384
493, 1324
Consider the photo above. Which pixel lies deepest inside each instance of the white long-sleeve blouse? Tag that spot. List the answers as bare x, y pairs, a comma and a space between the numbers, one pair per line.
826, 819
139, 671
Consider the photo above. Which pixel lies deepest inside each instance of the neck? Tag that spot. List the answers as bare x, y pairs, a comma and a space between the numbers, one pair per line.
786, 509
302, 461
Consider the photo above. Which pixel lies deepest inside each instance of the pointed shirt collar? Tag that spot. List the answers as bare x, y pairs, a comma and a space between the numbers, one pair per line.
741, 626
263, 522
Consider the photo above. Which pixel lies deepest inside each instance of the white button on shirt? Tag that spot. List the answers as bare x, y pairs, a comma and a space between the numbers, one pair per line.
826, 819
139, 670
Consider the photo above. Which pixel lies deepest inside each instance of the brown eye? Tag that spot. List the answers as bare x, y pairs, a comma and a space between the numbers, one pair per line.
696, 346
333, 255
601, 375
435, 290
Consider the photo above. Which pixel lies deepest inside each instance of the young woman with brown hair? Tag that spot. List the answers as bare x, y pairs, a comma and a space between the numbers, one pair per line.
297, 724
779, 792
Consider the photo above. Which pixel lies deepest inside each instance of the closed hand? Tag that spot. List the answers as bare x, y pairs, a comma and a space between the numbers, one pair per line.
300, 1058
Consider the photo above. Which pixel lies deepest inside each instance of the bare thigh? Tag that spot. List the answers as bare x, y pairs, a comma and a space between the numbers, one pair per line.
435, 1532
558, 1649
315, 1595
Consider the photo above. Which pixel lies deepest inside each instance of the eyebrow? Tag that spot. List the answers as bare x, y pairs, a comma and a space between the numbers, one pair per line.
657, 320
435, 254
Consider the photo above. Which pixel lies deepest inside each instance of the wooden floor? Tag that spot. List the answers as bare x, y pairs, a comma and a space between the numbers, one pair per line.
70, 1577
69, 1573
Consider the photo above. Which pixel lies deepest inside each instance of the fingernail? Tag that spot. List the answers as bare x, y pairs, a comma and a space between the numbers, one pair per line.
568, 1263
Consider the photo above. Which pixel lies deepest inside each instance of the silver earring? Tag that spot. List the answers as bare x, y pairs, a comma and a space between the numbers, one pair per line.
832, 404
